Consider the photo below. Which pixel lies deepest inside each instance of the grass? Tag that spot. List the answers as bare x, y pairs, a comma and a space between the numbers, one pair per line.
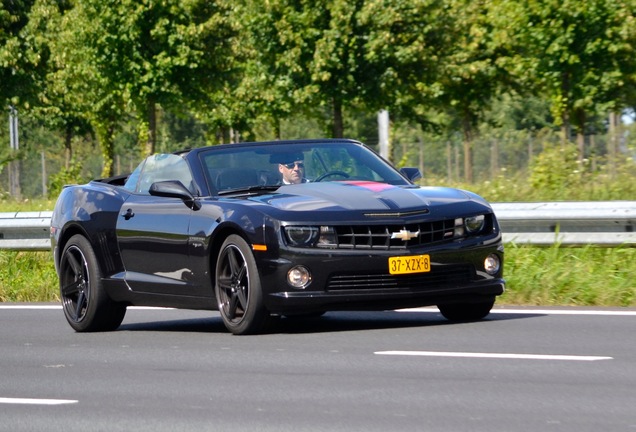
559, 276
564, 276
555, 276
27, 205
27, 277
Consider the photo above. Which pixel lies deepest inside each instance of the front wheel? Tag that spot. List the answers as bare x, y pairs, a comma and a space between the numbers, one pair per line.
465, 312
238, 288
86, 305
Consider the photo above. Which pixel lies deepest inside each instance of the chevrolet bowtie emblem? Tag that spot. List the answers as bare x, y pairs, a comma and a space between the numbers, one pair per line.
404, 235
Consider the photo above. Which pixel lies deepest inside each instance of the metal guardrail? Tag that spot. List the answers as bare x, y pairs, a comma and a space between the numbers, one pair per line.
601, 223
25, 231
575, 223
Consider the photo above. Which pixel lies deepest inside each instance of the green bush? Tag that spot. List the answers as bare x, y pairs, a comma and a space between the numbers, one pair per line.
70, 175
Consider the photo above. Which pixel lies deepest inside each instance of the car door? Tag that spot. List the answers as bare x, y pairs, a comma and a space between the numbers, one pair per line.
152, 232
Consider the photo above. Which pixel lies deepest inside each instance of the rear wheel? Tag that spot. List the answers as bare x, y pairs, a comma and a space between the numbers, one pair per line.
238, 288
466, 311
86, 306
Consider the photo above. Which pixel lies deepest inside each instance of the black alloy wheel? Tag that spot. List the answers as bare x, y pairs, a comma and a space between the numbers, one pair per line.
86, 306
238, 288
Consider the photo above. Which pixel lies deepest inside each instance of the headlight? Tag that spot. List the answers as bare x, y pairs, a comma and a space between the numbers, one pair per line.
311, 236
474, 224
301, 236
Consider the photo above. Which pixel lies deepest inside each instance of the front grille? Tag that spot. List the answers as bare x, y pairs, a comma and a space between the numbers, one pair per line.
439, 276
379, 236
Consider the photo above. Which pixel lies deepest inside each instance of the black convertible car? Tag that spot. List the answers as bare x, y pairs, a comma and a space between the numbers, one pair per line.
263, 230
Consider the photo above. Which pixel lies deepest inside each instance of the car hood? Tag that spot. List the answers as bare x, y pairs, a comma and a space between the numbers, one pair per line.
362, 196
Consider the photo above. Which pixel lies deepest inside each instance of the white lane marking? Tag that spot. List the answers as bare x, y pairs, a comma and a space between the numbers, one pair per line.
600, 312
59, 307
25, 401
430, 309
494, 355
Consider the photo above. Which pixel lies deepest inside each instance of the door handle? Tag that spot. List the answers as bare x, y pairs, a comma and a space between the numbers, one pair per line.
129, 213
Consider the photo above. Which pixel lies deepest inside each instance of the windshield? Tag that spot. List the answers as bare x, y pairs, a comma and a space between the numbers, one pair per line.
277, 164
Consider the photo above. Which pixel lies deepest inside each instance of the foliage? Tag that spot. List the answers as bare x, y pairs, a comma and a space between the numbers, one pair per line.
554, 276
557, 186
70, 175
581, 54
21, 67
556, 170
570, 276
307, 53
27, 277
472, 87
140, 55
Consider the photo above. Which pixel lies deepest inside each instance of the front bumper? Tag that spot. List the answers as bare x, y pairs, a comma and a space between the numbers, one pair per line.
346, 280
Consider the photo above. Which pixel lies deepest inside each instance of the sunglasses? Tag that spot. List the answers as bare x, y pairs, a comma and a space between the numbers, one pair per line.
291, 165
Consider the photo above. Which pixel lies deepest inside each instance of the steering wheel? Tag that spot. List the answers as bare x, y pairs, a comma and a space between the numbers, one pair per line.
331, 174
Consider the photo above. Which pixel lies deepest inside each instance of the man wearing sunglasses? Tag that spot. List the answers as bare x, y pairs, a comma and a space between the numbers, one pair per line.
293, 172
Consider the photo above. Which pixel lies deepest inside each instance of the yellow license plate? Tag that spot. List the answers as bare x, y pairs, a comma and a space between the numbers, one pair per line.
409, 264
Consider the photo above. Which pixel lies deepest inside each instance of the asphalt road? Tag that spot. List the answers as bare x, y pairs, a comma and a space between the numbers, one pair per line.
170, 370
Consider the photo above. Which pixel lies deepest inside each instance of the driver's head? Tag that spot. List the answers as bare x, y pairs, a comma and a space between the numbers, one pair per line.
292, 169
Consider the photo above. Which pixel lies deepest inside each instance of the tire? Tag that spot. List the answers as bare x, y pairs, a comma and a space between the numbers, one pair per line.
238, 289
86, 306
466, 312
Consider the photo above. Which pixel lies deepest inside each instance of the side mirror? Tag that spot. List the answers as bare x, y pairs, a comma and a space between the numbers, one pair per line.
413, 174
174, 189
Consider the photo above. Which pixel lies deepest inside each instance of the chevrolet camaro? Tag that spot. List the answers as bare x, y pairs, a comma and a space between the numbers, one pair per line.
265, 230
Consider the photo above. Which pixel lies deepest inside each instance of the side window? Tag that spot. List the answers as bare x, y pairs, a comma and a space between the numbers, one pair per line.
163, 167
133, 178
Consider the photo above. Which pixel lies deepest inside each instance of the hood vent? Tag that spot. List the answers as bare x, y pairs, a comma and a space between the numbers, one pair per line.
398, 214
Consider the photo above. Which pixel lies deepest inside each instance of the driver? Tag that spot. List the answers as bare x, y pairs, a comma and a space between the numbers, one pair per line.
292, 169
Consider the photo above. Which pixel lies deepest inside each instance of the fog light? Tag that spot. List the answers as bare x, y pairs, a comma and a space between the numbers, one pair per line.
299, 277
492, 264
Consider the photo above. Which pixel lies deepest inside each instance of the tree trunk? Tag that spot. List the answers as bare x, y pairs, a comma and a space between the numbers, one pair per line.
565, 114
338, 127
151, 138
449, 161
613, 143
277, 128
580, 136
421, 155
494, 159
68, 146
580, 144
468, 150
105, 134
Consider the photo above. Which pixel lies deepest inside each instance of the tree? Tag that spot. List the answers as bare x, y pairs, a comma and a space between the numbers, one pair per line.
20, 64
311, 54
580, 54
53, 106
404, 43
472, 73
433, 56
123, 54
